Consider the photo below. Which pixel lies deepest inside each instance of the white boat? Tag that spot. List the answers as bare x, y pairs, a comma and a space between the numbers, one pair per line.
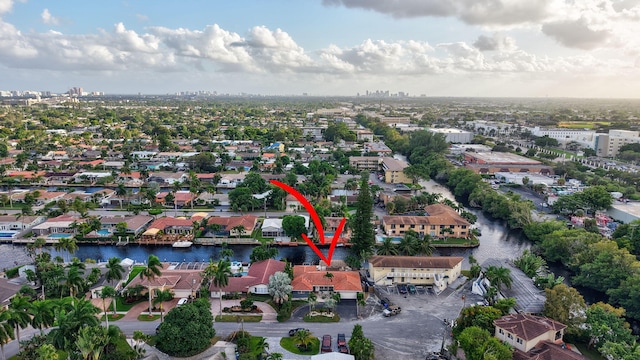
182, 244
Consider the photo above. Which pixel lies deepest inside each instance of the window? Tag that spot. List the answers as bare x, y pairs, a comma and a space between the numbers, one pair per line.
558, 335
393, 226
500, 331
433, 227
451, 226
519, 341
464, 226
510, 336
441, 226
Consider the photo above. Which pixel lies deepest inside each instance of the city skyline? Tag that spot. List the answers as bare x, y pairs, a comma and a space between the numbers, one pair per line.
488, 48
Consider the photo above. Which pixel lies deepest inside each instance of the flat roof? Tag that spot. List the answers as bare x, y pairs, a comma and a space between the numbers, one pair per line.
502, 158
449, 131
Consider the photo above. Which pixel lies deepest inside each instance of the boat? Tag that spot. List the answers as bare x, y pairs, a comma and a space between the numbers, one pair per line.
182, 244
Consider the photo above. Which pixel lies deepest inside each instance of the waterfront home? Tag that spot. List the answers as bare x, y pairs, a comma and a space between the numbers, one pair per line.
254, 282
171, 225
436, 271
11, 225
58, 225
534, 337
439, 221
132, 178
58, 177
164, 177
90, 176
184, 283
135, 225
311, 278
272, 228
230, 226
8, 289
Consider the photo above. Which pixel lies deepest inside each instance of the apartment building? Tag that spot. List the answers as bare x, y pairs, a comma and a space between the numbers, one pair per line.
440, 221
608, 145
437, 271
369, 163
394, 171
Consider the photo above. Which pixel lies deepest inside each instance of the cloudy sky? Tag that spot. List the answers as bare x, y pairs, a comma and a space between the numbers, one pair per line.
526, 48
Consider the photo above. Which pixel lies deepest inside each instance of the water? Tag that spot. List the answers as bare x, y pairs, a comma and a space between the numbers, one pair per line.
495, 242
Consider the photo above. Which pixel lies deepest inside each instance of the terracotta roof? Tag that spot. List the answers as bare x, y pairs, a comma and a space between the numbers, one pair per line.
228, 223
437, 214
306, 277
528, 327
166, 222
171, 279
418, 262
548, 351
26, 174
258, 273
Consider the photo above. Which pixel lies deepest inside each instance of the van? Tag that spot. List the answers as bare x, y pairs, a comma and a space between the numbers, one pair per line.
326, 344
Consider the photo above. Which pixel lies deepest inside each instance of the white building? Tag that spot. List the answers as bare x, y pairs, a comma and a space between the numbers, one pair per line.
516, 178
454, 135
608, 145
586, 138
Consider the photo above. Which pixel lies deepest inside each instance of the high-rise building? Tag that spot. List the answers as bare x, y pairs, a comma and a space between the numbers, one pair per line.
608, 145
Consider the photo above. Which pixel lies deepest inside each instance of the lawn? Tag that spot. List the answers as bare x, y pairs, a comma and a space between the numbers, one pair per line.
454, 241
321, 319
61, 355
234, 318
122, 306
134, 272
113, 317
288, 344
145, 317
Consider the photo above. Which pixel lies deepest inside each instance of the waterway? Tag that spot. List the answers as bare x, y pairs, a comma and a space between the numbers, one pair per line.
495, 242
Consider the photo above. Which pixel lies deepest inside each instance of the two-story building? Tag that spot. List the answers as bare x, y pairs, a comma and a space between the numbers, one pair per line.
307, 279
439, 221
436, 271
234, 225
394, 171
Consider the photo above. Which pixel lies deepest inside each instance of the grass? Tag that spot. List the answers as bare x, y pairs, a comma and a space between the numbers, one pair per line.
134, 272
122, 306
113, 317
288, 344
321, 319
146, 317
254, 350
455, 241
234, 318
582, 124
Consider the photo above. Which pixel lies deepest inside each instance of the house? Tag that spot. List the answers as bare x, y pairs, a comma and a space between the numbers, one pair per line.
308, 279
56, 225
170, 225
439, 221
292, 204
272, 228
132, 178
8, 289
377, 147
19, 223
254, 282
167, 177
183, 283
58, 177
534, 337
369, 163
90, 176
230, 181
437, 271
181, 198
135, 224
229, 225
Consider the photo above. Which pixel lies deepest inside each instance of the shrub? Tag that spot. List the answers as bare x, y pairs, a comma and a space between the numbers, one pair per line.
187, 330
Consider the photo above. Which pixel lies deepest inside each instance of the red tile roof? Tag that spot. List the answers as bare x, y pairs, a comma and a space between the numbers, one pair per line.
228, 223
258, 274
548, 351
166, 222
528, 327
306, 277
418, 262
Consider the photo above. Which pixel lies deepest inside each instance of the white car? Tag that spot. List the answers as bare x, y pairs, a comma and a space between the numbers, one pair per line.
182, 301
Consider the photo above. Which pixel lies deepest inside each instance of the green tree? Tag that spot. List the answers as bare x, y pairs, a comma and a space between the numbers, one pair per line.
606, 323
161, 297
262, 252
115, 270
152, 270
47, 352
480, 316
499, 276
530, 263
387, 247
566, 305
42, 313
91, 341
279, 287
109, 292
362, 238
603, 266
562, 245
221, 277
303, 338
479, 344
18, 313
70, 319
312, 299
6, 331
360, 347
294, 226
187, 330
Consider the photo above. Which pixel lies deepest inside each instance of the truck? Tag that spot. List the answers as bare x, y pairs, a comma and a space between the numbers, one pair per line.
391, 310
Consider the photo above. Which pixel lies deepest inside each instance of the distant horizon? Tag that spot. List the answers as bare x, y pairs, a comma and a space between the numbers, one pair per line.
440, 48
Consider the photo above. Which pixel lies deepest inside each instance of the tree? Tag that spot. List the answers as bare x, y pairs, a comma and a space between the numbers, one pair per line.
114, 269
187, 330
6, 331
109, 292
480, 316
221, 277
18, 313
47, 352
479, 344
606, 323
91, 341
303, 338
566, 305
70, 319
627, 295
359, 346
531, 264
311, 299
42, 313
162, 296
294, 226
387, 247
362, 238
603, 266
499, 276
279, 287
562, 245
262, 252
74, 280
152, 270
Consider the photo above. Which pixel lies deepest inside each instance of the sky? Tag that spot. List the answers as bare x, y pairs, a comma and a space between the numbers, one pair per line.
480, 48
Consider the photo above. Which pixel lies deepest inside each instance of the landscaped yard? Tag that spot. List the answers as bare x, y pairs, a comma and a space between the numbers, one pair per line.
145, 317
288, 344
235, 318
122, 306
134, 272
319, 318
113, 317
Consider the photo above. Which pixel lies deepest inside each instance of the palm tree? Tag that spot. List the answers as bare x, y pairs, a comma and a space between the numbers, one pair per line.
498, 276
107, 292
312, 298
114, 269
70, 319
70, 244
424, 246
407, 245
162, 296
239, 229
6, 331
303, 338
221, 277
74, 280
329, 276
387, 247
150, 272
209, 272
91, 342
275, 356
42, 314
18, 313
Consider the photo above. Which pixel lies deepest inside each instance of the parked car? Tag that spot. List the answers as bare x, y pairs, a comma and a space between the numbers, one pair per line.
182, 301
402, 289
412, 289
391, 310
342, 340
343, 349
292, 332
326, 344
385, 302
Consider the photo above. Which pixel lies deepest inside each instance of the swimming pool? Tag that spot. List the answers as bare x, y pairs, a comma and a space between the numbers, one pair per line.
8, 234
59, 236
394, 239
103, 232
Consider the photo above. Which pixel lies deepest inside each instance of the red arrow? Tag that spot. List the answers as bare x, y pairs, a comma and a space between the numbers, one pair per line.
316, 221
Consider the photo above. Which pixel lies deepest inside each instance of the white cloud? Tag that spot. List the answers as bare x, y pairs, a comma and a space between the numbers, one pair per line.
495, 42
5, 6
49, 19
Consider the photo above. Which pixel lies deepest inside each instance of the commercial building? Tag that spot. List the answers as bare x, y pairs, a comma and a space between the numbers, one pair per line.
493, 162
586, 138
608, 145
370, 163
456, 136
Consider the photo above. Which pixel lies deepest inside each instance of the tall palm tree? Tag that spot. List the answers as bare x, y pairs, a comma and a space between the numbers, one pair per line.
407, 245
18, 313
424, 246
162, 296
114, 269
70, 319
74, 280
91, 342
221, 277
387, 247
150, 272
69, 244
42, 314
6, 331
107, 292
209, 272
311, 299
498, 276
